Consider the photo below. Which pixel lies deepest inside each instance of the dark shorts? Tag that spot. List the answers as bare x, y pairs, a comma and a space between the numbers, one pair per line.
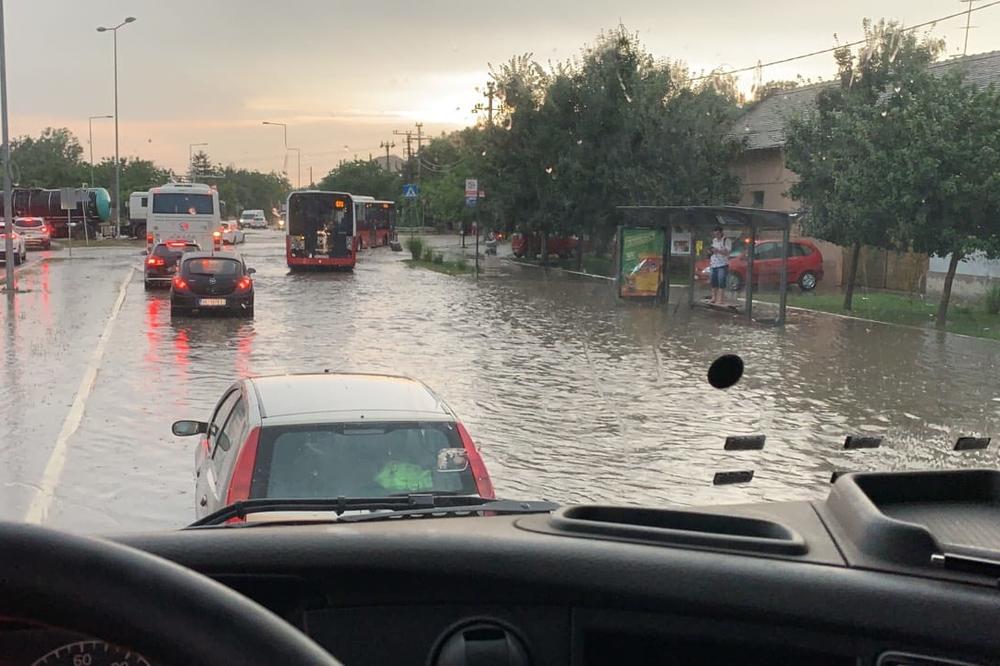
718, 277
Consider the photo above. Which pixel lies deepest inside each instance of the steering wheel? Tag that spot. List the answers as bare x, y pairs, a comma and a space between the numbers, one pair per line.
167, 613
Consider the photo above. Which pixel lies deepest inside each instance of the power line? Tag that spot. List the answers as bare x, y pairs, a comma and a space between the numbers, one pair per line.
964, 12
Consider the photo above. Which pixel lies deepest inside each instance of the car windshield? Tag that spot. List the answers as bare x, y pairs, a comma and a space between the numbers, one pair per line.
358, 460
541, 211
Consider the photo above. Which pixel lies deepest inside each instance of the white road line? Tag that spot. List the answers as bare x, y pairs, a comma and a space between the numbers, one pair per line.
39, 509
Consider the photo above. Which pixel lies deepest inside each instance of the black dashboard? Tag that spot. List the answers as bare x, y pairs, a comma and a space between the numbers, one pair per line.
779, 583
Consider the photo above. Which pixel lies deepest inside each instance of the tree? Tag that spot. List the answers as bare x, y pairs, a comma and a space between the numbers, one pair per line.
137, 175
846, 151
363, 177
52, 160
200, 165
242, 189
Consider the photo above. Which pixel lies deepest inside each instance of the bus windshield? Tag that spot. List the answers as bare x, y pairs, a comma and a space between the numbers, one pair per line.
183, 203
309, 213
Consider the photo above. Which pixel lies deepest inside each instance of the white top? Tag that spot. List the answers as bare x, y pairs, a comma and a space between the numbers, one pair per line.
718, 260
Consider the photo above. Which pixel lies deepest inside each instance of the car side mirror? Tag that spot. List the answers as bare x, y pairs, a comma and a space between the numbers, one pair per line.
188, 428
452, 460
251, 271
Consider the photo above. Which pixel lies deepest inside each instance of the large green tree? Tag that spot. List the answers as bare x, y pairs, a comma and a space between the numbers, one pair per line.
242, 189
363, 177
846, 151
51, 160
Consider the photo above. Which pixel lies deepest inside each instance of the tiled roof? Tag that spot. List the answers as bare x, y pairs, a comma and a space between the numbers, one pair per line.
763, 124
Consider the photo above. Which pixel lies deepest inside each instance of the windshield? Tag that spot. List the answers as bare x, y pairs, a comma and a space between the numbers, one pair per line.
27, 222
541, 211
186, 204
357, 460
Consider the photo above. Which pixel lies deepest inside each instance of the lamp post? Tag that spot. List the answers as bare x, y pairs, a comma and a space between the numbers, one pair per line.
8, 203
298, 153
118, 166
90, 124
191, 147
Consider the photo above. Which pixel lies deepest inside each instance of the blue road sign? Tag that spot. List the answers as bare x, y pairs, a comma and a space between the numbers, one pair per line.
470, 202
410, 191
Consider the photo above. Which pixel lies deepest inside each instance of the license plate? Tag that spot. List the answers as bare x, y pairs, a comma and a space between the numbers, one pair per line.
211, 302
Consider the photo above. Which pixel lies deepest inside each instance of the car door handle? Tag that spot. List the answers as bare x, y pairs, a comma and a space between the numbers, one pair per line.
204, 500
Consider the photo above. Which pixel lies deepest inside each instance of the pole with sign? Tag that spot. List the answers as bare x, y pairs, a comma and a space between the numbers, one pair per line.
67, 201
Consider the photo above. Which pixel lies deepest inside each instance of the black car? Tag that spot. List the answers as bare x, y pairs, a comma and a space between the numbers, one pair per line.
161, 263
207, 282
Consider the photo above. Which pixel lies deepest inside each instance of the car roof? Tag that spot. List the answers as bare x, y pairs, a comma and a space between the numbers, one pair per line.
335, 396
212, 255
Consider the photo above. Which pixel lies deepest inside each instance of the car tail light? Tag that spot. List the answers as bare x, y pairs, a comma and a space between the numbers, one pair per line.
483, 483
149, 239
155, 261
244, 284
246, 458
180, 283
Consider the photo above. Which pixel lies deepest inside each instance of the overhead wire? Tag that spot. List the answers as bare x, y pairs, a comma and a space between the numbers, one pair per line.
741, 70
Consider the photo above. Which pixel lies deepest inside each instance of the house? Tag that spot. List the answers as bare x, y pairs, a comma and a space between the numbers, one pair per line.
764, 182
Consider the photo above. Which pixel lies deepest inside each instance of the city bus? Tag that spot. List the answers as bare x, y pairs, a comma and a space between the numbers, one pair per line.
361, 203
380, 222
321, 231
184, 211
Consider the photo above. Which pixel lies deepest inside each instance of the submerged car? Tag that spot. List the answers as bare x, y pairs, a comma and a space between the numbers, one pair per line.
331, 435
161, 262
212, 283
805, 264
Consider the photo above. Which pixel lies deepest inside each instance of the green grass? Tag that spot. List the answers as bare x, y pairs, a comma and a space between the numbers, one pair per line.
966, 319
460, 267
63, 243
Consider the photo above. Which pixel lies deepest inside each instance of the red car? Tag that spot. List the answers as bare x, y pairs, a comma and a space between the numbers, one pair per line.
805, 264
564, 246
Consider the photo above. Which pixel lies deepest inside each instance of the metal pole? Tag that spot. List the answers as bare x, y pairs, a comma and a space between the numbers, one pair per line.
693, 260
783, 294
90, 123
118, 164
69, 230
668, 250
477, 242
751, 252
8, 196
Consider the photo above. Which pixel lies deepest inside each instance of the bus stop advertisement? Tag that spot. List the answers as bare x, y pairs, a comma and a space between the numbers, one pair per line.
663, 235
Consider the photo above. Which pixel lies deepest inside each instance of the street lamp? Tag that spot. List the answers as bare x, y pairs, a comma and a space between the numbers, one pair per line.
90, 123
191, 147
298, 153
118, 167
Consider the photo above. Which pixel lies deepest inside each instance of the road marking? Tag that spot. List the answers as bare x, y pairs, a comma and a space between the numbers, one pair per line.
39, 509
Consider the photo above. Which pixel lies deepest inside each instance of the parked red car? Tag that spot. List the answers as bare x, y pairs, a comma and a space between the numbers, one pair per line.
563, 246
805, 264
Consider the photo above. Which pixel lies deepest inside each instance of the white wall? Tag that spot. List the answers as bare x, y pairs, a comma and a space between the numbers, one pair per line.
974, 275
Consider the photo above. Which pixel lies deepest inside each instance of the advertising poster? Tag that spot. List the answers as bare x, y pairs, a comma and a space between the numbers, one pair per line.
641, 267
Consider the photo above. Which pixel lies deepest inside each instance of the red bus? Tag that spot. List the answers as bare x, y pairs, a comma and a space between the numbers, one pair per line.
380, 223
321, 231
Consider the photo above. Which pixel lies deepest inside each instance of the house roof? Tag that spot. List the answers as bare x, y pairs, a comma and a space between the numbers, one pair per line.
763, 124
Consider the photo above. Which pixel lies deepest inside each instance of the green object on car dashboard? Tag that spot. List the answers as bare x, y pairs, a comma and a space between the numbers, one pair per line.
404, 476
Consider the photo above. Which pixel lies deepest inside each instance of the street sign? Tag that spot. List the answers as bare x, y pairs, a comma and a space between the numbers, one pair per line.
470, 202
471, 187
68, 198
410, 191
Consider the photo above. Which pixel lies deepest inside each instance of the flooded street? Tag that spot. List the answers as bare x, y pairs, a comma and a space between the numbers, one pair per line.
572, 395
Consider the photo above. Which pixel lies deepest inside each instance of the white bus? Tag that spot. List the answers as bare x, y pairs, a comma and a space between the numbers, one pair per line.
184, 211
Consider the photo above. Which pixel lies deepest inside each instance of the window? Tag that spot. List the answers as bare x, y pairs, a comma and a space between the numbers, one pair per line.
766, 251
182, 203
222, 412
758, 198
144, 202
28, 222
233, 432
799, 250
356, 460
212, 266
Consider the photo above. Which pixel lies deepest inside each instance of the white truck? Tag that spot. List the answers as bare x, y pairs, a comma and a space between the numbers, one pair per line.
184, 211
138, 211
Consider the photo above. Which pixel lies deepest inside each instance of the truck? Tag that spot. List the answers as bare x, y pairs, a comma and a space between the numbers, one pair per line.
184, 211
138, 209
47, 204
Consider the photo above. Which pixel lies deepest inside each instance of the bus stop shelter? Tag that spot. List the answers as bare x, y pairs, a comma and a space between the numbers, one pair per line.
701, 220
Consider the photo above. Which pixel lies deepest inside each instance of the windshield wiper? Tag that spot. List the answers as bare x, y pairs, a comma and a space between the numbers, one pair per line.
489, 506
391, 507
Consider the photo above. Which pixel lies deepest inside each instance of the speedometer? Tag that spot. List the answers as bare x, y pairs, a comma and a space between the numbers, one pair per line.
91, 653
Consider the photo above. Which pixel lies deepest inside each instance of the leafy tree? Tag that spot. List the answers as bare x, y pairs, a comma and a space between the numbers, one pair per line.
137, 175
242, 189
52, 160
200, 165
846, 151
363, 177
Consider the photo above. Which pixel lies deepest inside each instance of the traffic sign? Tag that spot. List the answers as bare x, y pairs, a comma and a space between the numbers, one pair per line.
471, 187
410, 191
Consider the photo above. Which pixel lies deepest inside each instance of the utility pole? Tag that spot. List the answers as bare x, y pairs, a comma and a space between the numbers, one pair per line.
489, 97
420, 138
409, 151
387, 145
968, 27
8, 197
311, 181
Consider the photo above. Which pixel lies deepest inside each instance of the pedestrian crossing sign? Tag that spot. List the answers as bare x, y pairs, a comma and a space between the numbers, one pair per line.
410, 191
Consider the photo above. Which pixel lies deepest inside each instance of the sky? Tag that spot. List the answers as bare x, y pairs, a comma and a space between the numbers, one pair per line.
345, 75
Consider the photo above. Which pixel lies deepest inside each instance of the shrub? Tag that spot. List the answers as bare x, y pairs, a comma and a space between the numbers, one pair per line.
415, 246
993, 299
428, 254
462, 265
438, 259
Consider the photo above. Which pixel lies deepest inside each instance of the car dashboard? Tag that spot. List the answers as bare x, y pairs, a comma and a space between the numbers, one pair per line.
841, 581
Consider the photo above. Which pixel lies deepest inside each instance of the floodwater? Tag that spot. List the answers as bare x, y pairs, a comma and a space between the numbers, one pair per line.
572, 395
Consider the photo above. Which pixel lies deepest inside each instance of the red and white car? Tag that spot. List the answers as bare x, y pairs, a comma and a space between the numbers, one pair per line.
331, 435
35, 230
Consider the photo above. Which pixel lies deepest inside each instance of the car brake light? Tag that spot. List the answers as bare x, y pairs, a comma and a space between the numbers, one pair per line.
180, 283
244, 284
483, 483
155, 261
246, 458
217, 234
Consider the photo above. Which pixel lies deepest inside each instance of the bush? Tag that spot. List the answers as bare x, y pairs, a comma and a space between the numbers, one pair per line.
415, 246
993, 299
428, 254
462, 265
438, 259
